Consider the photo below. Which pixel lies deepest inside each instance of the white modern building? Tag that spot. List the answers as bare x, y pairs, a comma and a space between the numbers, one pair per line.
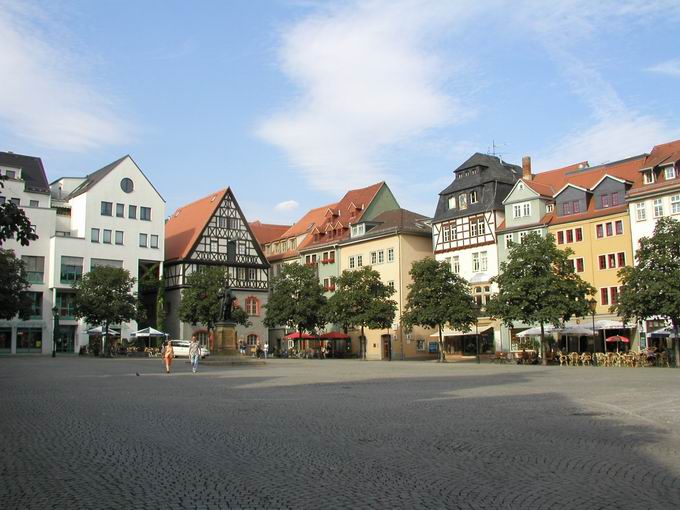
113, 217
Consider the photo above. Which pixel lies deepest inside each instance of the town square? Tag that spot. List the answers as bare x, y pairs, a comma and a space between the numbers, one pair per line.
352, 254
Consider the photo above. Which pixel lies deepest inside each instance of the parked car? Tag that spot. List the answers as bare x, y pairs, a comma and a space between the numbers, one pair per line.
181, 348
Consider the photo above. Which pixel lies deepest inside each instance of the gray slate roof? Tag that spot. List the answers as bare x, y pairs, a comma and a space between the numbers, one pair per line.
95, 177
32, 170
400, 221
493, 181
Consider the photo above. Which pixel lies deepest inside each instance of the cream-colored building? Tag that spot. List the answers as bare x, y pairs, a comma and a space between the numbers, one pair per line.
390, 243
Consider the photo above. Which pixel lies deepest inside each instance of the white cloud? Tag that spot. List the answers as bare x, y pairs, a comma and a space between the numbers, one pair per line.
287, 205
42, 98
369, 79
669, 67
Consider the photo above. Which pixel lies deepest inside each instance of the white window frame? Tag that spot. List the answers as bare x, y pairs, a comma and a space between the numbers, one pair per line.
455, 264
641, 211
475, 262
484, 260
669, 172
526, 209
517, 211
675, 204
508, 240
657, 206
522, 235
473, 197
381, 256
360, 260
452, 202
462, 201
351, 262
648, 177
390, 254
446, 231
374, 257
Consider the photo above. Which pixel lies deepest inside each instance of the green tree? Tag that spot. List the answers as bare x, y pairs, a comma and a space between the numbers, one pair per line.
537, 285
361, 299
296, 299
14, 223
651, 287
104, 296
13, 285
438, 297
202, 302
160, 306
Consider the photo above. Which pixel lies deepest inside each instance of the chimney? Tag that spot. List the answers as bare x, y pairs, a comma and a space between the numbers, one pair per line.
526, 168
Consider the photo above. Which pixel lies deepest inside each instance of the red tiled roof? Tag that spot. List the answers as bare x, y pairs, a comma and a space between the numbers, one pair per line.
186, 224
267, 232
307, 222
664, 153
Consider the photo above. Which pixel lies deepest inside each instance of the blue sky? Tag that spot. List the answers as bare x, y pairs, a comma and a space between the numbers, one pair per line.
291, 103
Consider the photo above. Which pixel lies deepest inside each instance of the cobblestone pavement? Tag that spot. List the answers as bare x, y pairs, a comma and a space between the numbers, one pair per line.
90, 433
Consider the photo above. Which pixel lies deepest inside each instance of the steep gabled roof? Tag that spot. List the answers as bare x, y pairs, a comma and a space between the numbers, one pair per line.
308, 221
662, 154
32, 170
267, 232
186, 224
396, 221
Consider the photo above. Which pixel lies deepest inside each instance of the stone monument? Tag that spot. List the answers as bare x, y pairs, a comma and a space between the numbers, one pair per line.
225, 327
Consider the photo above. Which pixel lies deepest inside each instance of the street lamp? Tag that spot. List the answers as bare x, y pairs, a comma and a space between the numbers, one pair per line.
593, 303
55, 317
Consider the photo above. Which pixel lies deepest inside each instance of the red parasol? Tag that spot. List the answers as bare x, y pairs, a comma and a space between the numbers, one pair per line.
335, 335
618, 338
296, 336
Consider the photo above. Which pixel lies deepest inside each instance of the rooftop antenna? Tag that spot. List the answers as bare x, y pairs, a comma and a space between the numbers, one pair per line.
494, 149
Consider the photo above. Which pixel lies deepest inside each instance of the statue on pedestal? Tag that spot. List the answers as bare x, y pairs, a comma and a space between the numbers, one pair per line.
226, 304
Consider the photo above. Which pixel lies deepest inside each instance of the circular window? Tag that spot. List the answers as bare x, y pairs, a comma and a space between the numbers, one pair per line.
126, 185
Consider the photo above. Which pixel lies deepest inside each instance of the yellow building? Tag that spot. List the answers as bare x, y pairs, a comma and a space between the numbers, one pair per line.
591, 218
390, 243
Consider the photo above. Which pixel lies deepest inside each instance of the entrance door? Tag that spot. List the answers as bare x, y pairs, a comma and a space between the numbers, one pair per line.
66, 338
387, 347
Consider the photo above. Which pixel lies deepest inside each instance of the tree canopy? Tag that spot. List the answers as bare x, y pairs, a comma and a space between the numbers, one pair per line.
651, 288
104, 296
362, 299
13, 285
438, 297
14, 224
202, 301
296, 299
538, 285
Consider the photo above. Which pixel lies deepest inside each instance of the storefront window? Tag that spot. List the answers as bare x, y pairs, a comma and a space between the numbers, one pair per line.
5, 339
36, 305
29, 339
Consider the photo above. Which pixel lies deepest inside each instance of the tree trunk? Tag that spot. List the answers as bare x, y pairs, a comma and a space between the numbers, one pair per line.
543, 346
442, 356
362, 341
676, 342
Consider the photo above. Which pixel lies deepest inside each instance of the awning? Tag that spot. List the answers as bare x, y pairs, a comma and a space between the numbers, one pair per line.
142, 333
99, 330
609, 324
454, 332
663, 332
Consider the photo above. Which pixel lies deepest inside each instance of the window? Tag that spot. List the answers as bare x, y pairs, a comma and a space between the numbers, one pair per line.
94, 235
452, 202
675, 204
120, 210
605, 200
619, 227
576, 206
251, 340
611, 260
483, 261
390, 255
446, 232
390, 284
252, 307
105, 263
475, 262
119, 237
566, 208
462, 201
381, 256
579, 234
669, 172
560, 237
517, 211
252, 273
658, 207
65, 304
360, 260
609, 229
106, 236
351, 262
549, 208
570, 236
508, 240
454, 230
648, 177
145, 213
33, 203
614, 291
10, 174
477, 227
473, 197
374, 257
36, 305
455, 265
154, 241
358, 230
107, 208
526, 209
71, 269
621, 259
143, 240
640, 211
132, 212
616, 200
420, 345
35, 268
127, 185
522, 235
604, 296
579, 265
602, 260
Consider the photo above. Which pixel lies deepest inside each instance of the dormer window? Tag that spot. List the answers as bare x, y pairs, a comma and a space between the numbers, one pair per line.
452, 202
648, 177
462, 201
358, 230
473, 197
669, 173
11, 174
549, 208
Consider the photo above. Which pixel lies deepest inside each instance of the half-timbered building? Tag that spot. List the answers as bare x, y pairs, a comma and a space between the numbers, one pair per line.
213, 231
464, 235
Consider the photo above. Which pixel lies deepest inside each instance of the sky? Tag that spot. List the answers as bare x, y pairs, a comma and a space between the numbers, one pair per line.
291, 103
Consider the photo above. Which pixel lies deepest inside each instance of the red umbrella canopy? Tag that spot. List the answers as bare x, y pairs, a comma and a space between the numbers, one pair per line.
296, 335
618, 338
335, 335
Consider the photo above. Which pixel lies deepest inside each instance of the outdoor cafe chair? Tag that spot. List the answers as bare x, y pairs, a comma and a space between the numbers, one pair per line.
574, 358
586, 358
564, 360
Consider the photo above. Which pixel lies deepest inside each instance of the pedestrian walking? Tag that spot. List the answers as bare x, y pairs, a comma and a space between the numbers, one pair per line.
168, 355
266, 350
194, 353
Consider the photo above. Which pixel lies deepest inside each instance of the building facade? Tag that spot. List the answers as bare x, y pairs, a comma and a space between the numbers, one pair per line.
464, 235
213, 231
112, 217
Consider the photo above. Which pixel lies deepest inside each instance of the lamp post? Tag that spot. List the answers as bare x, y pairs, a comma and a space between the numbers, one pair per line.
55, 330
593, 303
